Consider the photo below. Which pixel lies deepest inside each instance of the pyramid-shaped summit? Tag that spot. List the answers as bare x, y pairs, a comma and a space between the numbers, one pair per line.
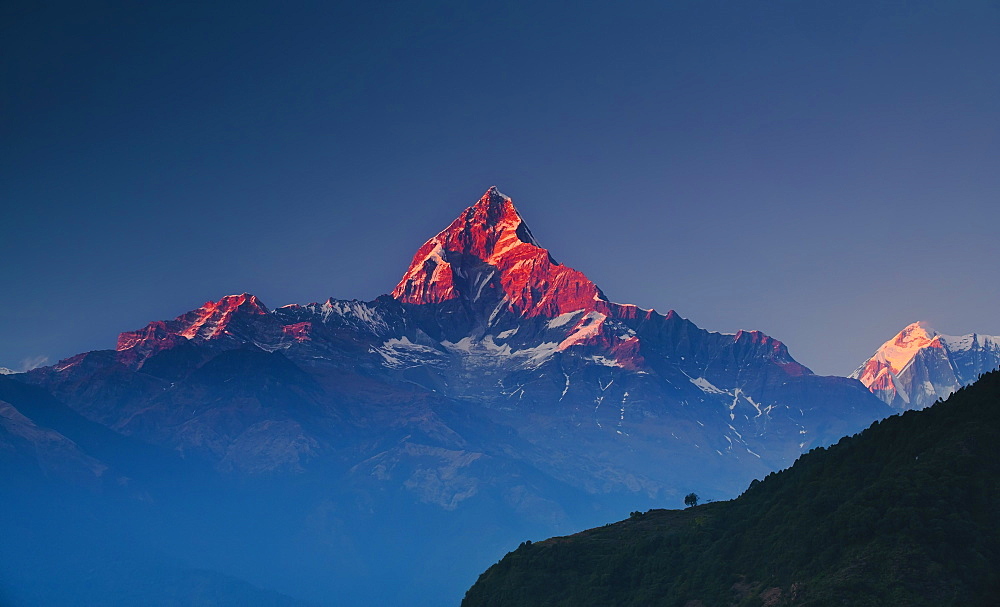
488, 254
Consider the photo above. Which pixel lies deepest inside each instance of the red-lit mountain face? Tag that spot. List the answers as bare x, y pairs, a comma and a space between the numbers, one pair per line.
488, 252
493, 384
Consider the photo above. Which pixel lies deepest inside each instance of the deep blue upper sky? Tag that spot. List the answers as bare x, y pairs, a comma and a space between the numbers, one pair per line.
824, 172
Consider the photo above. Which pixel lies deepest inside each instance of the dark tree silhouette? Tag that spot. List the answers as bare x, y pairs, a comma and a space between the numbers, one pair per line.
691, 499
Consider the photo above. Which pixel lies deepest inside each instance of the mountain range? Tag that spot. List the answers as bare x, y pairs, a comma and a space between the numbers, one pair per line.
920, 366
493, 389
485, 317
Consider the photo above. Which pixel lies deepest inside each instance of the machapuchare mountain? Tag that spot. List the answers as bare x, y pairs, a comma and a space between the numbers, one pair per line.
493, 388
920, 366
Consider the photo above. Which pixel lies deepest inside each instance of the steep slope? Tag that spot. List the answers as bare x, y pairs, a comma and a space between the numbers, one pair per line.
490, 248
902, 514
919, 365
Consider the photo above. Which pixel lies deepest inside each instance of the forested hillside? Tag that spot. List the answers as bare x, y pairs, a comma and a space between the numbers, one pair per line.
904, 513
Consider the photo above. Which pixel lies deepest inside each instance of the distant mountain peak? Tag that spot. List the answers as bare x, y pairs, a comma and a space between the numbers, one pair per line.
920, 365
488, 252
915, 334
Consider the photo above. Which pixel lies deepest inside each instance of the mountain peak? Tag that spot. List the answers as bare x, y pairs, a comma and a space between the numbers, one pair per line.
491, 226
916, 334
920, 365
210, 321
488, 252
898, 352
893, 356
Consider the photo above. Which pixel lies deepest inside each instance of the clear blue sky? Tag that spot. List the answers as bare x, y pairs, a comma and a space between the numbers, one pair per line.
824, 172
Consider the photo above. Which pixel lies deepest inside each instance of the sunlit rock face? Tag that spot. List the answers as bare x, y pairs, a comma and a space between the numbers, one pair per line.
919, 366
489, 253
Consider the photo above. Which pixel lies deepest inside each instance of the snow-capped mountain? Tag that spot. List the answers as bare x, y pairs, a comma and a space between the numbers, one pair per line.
487, 317
493, 384
920, 366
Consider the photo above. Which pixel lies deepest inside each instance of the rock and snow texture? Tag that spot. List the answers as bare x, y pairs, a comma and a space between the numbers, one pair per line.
919, 366
492, 293
489, 251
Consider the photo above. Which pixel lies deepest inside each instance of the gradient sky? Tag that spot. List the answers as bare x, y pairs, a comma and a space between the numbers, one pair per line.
824, 172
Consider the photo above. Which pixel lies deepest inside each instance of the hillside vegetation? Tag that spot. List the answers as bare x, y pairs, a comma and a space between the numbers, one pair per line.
904, 513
